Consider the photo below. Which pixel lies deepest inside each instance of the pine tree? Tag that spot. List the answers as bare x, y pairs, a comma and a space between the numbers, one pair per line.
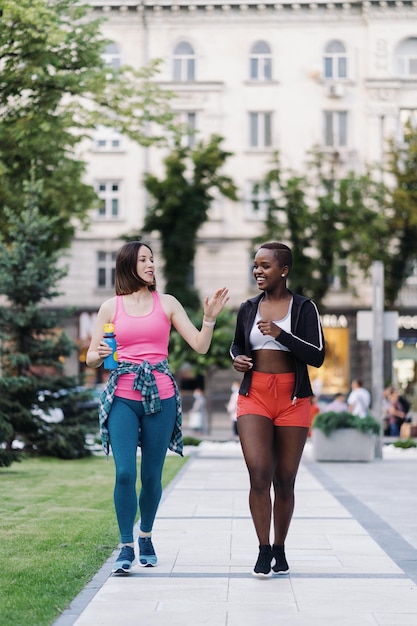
32, 343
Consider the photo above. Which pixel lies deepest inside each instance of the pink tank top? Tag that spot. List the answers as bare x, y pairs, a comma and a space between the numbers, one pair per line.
139, 339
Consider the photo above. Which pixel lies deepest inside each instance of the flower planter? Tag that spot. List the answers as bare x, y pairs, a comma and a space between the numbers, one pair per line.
343, 444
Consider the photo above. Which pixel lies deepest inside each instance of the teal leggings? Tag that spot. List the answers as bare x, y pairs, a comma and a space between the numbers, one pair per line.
125, 419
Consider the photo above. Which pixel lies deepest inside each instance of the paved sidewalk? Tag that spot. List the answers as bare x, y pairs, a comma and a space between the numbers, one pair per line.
352, 550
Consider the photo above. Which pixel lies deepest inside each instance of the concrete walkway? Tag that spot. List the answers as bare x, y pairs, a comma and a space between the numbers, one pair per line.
352, 550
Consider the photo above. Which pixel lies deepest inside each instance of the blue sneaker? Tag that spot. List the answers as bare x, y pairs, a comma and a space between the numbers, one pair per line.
147, 556
124, 561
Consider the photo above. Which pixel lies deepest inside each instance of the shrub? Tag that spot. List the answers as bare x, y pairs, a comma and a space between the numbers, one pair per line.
330, 421
405, 443
191, 441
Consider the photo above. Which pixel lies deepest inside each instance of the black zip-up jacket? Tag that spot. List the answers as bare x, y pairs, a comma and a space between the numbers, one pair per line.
305, 341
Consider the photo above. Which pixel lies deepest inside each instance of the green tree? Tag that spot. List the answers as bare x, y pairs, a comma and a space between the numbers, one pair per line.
401, 257
180, 207
32, 345
218, 356
332, 223
55, 88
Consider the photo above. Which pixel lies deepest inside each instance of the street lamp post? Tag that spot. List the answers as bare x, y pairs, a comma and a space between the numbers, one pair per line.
378, 346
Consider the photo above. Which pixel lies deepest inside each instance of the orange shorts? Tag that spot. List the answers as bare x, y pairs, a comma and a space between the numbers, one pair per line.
270, 396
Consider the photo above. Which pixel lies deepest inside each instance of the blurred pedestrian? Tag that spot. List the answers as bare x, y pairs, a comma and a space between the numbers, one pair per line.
359, 399
231, 406
197, 418
314, 410
396, 413
337, 405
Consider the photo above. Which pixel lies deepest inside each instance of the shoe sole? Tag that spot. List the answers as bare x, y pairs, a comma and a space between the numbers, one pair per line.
261, 575
120, 570
281, 573
147, 564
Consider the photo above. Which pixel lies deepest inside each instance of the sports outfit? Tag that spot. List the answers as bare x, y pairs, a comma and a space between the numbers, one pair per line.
284, 398
140, 406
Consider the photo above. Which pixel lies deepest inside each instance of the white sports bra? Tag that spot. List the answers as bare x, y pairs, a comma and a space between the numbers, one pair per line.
258, 341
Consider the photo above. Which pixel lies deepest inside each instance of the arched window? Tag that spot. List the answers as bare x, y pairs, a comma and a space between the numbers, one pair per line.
111, 56
335, 60
184, 62
260, 61
406, 58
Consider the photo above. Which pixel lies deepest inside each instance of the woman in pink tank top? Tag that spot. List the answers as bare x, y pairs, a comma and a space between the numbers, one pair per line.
141, 405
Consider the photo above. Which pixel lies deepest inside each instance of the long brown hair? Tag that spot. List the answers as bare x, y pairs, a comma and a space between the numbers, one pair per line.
126, 279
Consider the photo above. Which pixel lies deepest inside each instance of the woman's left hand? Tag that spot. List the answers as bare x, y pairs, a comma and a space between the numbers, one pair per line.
269, 328
215, 304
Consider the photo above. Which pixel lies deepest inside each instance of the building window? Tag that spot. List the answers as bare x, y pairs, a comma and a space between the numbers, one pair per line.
187, 120
407, 122
335, 129
335, 60
260, 62
111, 56
184, 63
257, 199
406, 58
107, 139
109, 194
339, 279
260, 130
106, 269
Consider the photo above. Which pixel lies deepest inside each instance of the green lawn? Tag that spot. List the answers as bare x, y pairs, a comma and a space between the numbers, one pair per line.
57, 527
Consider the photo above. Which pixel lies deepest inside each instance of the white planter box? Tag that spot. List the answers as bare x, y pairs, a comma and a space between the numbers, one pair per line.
345, 444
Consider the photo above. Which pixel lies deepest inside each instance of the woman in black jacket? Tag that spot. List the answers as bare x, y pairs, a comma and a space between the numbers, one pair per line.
278, 334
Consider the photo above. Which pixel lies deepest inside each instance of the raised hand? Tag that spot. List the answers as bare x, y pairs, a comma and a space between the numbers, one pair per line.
215, 304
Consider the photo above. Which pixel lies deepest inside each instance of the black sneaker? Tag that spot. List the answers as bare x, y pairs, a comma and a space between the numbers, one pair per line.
124, 561
262, 568
147, 556
281, 566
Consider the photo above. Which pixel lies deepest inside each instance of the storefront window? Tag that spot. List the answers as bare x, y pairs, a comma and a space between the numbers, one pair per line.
333, 376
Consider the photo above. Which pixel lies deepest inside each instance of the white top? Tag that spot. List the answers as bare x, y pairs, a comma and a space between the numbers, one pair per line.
258, 341
360, 400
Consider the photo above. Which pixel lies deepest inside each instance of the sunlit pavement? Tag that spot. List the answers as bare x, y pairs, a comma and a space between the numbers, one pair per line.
352, 550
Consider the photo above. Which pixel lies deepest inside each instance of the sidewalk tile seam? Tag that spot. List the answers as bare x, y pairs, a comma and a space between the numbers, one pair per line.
248, 576
309, 518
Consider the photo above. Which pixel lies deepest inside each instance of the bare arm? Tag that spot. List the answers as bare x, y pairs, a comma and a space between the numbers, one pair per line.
98, 350
199, 340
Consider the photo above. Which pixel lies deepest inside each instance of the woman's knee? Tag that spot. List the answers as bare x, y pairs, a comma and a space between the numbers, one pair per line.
260, 479
284, 486
151, 478
125, 476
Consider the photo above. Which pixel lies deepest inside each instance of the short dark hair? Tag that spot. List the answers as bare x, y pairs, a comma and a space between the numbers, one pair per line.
126, 279
282, 252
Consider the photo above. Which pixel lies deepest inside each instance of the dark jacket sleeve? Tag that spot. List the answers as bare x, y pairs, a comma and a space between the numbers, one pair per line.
307, 341
238, 344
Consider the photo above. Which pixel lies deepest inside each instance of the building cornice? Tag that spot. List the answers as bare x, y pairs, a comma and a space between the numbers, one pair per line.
241, 6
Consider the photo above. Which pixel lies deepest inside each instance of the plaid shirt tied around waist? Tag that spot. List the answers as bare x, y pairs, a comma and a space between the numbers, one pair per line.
144, 382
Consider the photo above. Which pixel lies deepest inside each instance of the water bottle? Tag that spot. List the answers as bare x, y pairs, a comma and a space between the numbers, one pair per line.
110, 362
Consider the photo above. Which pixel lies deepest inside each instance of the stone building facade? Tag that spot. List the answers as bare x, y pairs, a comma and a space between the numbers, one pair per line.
266, 76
